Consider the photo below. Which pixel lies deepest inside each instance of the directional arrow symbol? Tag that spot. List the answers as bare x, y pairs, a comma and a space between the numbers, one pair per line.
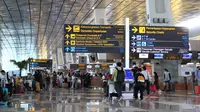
133, 50
134, 29
68, 28
67, 49
67, 36
133, 43
67, 42
133, 37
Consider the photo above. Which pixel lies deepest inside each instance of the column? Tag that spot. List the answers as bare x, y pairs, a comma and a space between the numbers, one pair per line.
159, 13
100, 19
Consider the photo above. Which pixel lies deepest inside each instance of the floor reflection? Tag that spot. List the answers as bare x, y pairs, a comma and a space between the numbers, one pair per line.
63, 100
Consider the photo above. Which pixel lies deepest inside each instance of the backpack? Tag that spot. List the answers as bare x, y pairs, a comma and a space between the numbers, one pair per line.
140, 78
120, 75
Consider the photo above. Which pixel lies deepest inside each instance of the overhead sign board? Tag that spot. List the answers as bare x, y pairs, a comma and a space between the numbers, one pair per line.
93, 38
36, 63
158, 39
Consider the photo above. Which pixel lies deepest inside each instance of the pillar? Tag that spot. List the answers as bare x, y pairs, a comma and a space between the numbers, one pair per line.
100, 19
159, 13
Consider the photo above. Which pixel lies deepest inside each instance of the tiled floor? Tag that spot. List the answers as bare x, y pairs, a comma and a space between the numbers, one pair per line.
63, 100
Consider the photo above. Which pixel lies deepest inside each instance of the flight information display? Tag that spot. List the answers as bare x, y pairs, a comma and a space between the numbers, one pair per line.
158, 39
94, 38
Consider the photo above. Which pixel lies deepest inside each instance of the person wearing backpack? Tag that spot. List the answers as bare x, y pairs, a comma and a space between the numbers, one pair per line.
139, 84
118, 77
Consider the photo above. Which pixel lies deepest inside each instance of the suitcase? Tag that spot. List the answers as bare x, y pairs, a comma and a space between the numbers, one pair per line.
197, 90
5, 94
153, 88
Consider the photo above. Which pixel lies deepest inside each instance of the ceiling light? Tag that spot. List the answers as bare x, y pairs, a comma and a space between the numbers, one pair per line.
191, 23
93, 8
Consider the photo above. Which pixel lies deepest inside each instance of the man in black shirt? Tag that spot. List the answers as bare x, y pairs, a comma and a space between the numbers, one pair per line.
139, 84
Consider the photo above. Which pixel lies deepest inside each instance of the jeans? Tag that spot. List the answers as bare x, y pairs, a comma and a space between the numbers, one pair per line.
167, 83
118, 88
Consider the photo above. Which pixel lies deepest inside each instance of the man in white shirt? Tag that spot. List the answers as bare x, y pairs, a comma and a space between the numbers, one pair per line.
3, 78
147, 79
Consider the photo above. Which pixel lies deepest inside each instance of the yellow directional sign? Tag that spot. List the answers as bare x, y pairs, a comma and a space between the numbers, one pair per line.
76, 28
142, 30
68, 28
67, 42
134, 30
73, 42
73, 36
67, 36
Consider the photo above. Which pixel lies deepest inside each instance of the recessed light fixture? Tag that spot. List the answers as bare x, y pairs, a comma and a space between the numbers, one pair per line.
93, 8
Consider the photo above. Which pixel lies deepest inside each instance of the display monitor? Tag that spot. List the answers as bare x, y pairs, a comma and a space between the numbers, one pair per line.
187, 56
97, 66
198, 55
89, 66
158, 56
143, 56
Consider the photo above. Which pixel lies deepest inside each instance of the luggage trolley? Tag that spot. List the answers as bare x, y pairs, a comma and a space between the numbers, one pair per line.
4, 97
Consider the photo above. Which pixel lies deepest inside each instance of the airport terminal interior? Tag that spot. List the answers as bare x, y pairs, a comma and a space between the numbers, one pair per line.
100, 55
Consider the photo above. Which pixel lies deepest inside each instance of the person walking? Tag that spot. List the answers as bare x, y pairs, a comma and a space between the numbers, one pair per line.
147, 80
118, 77
37, 79
139, 84
156, 80
167, 79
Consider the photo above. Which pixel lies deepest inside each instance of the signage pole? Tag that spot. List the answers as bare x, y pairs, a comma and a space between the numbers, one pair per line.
127, 42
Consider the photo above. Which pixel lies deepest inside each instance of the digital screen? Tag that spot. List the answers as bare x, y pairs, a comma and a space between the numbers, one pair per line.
129, 74
198, 56
158, 56
97, 66
172, 56
143, 56
159, 39
89, 66
187, 56
94, 38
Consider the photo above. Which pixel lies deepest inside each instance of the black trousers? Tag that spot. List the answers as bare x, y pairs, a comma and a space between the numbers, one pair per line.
138, 88
147, 86
119, 88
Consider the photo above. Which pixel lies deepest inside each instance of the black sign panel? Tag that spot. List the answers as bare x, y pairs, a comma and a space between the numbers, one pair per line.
158, 39
40, 63
93, 38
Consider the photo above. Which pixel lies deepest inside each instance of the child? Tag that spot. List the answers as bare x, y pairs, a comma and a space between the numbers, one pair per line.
111, 88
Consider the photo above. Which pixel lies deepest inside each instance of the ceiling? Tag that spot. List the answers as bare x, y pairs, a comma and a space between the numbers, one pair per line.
30, 27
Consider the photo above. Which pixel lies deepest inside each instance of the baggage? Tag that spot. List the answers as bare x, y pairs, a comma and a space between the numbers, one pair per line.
65, 85
153, 88
5, 94
197, 90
